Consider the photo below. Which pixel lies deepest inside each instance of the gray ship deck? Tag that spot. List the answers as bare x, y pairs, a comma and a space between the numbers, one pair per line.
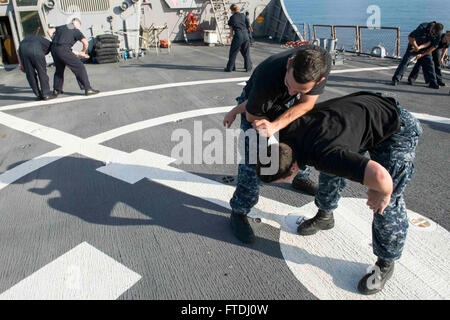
74, 225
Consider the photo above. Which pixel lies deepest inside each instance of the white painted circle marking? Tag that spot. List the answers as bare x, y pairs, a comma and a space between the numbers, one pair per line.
331, 263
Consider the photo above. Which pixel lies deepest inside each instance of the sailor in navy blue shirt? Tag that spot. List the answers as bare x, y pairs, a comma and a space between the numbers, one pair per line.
424, 33
64, 37
32, 52
239, 25
438, 56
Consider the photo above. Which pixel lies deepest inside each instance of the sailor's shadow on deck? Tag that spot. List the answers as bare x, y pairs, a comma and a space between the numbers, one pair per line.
91, 196
12, 93
340, 270
436, 126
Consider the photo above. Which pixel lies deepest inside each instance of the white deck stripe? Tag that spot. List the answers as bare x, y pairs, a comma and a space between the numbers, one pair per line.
108, 135
119, 92
154, 87
361, 70
83, 273
431, 118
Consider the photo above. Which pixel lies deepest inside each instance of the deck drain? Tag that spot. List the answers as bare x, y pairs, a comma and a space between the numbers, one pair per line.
227, 179
257, 220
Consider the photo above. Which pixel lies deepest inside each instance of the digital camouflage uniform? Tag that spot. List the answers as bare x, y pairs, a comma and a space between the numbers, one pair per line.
397, 155
247, 190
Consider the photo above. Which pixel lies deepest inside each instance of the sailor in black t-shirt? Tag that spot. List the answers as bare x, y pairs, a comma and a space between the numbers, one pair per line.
437, 56
333, 138
281, 89
239, 26
64, 37
32, 52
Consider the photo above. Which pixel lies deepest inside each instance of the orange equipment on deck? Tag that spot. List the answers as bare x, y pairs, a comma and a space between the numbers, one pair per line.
191, 23
294, 44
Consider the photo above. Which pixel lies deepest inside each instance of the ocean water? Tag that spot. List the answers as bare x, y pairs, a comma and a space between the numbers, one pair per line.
406, 14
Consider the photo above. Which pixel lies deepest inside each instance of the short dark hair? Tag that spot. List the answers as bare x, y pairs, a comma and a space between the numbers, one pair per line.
309, 65
286, 160
446, 36
438, 27
234, 7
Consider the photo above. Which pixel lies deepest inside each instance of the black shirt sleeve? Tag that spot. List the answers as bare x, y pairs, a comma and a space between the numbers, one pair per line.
258, 104
420, 31
435, 41
78, 35
46, 45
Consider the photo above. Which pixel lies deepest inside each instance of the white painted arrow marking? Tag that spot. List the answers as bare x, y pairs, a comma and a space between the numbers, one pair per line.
83, 273
135, 167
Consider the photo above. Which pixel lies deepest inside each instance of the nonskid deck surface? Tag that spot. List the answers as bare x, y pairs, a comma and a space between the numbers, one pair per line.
93, 205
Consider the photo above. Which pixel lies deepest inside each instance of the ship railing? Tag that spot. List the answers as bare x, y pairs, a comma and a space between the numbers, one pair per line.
358, 39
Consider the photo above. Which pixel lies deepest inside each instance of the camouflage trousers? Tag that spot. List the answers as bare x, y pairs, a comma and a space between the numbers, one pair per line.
247, 190
397, 155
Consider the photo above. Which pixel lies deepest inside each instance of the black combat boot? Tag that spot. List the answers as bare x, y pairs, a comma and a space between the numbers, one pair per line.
433, 86
306, 185
376, 282
241, 228
322, 221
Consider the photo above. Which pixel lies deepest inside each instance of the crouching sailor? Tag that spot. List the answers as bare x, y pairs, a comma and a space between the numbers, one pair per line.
32, 52
333, 137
